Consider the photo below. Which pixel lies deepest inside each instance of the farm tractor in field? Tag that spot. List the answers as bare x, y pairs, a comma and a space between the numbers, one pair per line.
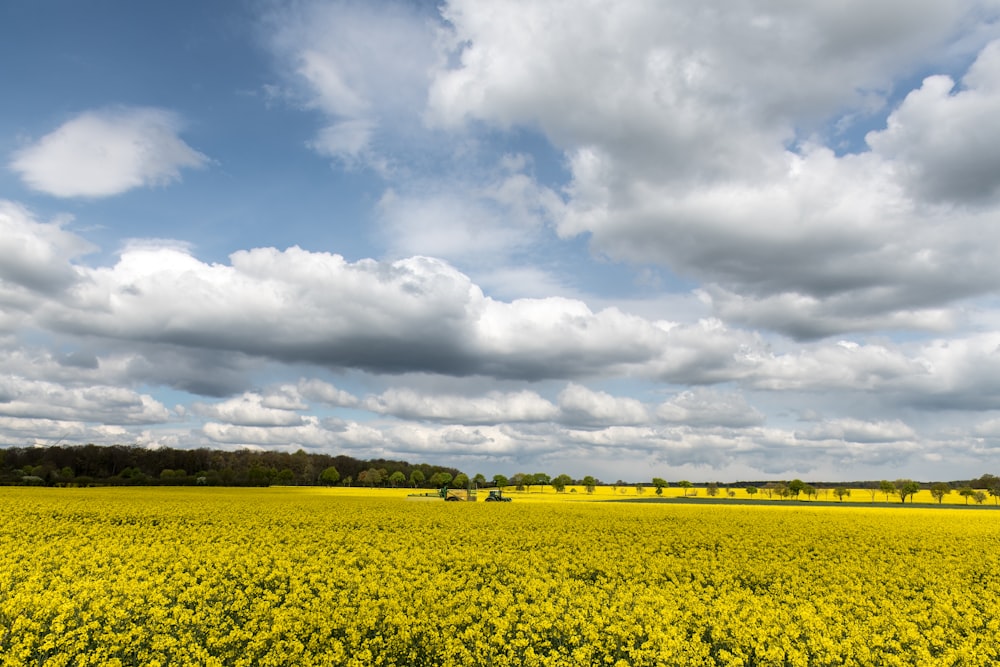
497, 496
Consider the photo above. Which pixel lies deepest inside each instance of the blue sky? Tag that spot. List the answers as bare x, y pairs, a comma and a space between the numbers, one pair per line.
627, 241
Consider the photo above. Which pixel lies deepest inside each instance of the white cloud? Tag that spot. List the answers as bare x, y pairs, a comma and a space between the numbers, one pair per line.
324, 392
414, 314
107, 152
584, 407
253, 409
857, 431
34, 399
705, 407
942, 139
493, 408
697, 140
35, 256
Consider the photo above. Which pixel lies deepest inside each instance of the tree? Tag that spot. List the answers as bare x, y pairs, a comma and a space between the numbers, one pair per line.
795, 487
660, 484
769, 489
500, 481
370, 477
886, 487
985, 482
782, 490
939, 491
520, 480
397, 478
684, 484
904, 488
461, 481
590, 484
809, 490
841, 491
966, 492
479, 480
639, 489
561, 482
541, 479
329, 476
995, 492
712, 489
416, 478
751, 491
440, 479
979, 497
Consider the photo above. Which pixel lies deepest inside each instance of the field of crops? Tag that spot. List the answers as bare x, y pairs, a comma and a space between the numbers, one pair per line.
156, 576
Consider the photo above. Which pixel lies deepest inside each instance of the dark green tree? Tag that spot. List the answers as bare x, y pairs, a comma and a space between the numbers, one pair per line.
560, 482
590, 484
541, 479
887, 487
904, 488
939, 491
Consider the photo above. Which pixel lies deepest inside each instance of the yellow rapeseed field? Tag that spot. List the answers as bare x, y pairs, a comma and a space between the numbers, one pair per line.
201, 576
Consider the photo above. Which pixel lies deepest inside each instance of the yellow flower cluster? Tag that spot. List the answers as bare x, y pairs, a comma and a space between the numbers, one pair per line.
152, 576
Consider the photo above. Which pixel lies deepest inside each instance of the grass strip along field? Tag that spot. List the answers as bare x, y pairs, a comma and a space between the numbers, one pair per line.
157, 576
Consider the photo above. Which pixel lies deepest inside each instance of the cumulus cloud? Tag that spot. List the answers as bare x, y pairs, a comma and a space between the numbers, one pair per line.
855, 430
107, 152
253, 409
705, 407
413, 314
323, 392
703, 140
34, 255
584, 407
494, 408
941, 136
33, 399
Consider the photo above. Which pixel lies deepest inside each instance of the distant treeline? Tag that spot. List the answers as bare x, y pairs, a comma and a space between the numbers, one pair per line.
985, 481
133, 465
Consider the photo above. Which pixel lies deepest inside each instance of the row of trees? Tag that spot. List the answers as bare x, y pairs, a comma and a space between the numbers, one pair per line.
979, 489
131, 465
